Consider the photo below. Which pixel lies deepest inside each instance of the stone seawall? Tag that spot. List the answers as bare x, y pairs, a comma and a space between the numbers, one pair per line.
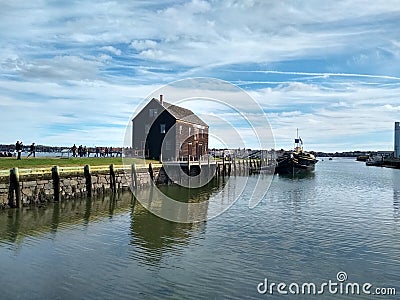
22, 189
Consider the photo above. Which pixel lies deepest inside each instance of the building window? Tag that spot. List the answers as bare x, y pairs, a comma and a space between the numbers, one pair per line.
196, 132
162, 128
146, 129
202, 133
152, 112
180, 129
190, 129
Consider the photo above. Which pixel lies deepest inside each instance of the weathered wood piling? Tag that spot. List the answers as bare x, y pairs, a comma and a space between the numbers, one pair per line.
14, 197
88, 178
55, 174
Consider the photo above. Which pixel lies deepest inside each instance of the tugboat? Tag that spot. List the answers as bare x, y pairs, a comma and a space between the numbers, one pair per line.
297, 161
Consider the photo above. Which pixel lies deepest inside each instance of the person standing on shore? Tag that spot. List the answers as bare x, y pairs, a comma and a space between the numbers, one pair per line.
73, 148
18, 148
32, 150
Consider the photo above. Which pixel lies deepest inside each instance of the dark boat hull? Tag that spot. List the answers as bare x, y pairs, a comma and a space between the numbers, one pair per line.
290, 165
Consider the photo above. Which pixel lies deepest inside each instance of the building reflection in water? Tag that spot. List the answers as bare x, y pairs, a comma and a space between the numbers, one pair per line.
152, 236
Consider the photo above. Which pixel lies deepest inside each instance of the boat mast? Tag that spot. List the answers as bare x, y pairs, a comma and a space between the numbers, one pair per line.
297, 141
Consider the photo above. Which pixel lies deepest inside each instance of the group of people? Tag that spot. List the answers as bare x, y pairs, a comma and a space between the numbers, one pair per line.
6, 154
18, 149
79, 151
83, 151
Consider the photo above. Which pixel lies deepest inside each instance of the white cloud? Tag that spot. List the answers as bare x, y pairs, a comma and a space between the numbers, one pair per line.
112, 49
340, 104
152, 54
143, 44
391, 107
60, 67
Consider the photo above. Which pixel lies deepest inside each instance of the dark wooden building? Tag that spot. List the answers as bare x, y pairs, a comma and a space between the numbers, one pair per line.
169, 132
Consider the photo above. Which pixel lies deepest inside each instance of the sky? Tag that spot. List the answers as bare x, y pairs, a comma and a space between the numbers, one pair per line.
76, 71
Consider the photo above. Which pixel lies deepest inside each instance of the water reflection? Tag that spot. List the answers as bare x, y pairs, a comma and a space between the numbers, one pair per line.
299, 190
306, 175
55, 218
16, 224
396, 194
153, 236
147, 230
112, 247
186, 205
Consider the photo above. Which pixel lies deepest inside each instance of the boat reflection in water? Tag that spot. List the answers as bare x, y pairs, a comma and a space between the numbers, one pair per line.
296, 162
299, 175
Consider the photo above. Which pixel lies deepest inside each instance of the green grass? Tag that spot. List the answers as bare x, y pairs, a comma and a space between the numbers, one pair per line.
44, 162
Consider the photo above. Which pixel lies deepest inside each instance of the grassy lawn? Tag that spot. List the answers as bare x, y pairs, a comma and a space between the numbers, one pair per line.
44, 162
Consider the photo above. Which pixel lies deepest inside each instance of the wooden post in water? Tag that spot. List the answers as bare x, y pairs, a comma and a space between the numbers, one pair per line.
151, 173
113, 185
55, 175
14, 189
223, 165
88, 178
208, 167
11, 190
134, 175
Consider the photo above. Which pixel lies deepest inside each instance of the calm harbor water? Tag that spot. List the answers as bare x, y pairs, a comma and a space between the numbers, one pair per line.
344, 218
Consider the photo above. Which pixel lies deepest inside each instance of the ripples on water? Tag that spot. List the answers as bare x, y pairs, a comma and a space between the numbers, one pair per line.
343, 218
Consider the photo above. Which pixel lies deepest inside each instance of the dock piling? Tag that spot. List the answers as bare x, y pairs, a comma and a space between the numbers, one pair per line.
134, 176
14, 195
55, 175
113, 184
151, 173
88, 178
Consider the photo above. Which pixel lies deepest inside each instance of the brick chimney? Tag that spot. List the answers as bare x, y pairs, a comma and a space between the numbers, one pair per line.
161, 99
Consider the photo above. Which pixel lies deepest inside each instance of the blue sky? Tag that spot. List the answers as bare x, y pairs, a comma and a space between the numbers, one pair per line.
75, 71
